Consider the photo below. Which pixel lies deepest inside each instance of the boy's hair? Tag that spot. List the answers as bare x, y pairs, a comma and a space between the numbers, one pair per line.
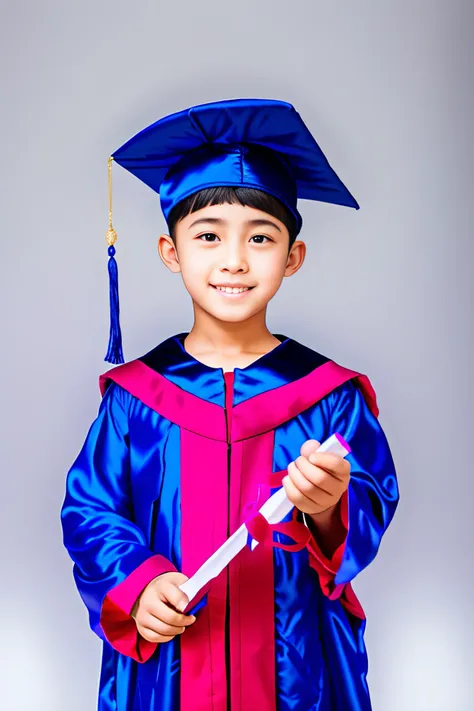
249, 197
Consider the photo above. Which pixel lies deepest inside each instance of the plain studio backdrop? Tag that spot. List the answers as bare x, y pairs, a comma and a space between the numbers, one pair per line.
387, 90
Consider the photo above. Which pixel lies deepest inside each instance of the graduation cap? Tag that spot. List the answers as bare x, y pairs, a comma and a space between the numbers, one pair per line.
248, 143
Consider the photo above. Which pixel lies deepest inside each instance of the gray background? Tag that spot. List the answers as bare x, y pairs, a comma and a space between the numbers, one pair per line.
386, 87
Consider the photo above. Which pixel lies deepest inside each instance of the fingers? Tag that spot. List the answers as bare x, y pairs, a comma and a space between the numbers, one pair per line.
311, 492
332, 464
171, 594
159, 623
308, 447
158, 618
163, 630
302, 502
306, 477
315, 480
159, 627
152, 636
169, 616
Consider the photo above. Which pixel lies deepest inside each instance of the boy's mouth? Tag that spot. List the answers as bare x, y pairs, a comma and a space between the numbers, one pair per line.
232, 291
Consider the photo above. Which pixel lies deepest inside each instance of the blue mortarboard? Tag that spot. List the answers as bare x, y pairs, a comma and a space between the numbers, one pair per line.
254, 143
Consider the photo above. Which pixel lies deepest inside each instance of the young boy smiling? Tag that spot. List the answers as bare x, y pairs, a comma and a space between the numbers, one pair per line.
202, 428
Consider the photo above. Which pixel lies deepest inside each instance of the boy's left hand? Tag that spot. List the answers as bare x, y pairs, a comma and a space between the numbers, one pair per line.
315, 482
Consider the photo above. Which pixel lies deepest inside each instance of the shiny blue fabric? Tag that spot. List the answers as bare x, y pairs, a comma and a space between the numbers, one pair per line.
255, 143
122, 505
321, 656
235, 165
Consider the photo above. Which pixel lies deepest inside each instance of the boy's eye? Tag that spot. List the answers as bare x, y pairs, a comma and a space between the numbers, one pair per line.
260, 238
207, 234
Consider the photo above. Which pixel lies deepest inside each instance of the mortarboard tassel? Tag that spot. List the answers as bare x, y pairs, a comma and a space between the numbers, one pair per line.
114, 351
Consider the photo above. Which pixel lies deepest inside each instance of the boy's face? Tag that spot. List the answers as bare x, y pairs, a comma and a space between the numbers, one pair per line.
231, 245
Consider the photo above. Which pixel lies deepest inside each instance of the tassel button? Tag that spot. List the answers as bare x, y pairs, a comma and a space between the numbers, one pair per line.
111, 236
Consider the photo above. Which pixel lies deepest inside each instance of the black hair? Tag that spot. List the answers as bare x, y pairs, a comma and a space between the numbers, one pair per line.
226, 194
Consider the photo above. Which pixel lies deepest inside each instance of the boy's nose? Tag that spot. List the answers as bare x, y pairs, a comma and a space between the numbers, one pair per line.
234, 261
234, 267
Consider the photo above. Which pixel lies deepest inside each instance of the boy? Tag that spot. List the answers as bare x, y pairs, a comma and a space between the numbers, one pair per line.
201, 430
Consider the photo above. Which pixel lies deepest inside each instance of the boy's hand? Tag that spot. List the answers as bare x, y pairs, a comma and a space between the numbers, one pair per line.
156, 610
316, 482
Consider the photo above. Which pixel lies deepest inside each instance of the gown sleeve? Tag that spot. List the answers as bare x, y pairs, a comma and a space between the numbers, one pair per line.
112, 563
368, 505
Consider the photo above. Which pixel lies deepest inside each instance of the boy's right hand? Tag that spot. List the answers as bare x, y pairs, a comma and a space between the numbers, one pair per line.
156, 610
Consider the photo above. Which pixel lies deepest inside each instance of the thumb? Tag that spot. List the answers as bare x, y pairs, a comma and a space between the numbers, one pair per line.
177, 578
308, 447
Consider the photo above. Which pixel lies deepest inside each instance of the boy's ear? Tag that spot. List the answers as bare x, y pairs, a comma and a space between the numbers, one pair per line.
168, 253
295, 258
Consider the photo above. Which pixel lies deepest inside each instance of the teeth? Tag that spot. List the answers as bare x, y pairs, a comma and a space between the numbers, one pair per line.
230, 290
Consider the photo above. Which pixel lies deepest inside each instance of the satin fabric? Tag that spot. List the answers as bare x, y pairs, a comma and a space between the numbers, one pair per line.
122, 505
255, 143
234, 165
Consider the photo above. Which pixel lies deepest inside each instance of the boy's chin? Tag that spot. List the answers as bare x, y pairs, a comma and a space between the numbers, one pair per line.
229, 314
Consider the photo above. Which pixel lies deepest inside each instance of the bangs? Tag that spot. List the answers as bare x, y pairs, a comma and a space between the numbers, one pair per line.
248, 197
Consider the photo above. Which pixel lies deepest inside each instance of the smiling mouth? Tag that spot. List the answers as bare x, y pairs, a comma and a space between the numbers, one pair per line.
232, 290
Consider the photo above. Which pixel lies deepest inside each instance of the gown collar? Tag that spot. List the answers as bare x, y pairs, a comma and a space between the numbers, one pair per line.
288, 361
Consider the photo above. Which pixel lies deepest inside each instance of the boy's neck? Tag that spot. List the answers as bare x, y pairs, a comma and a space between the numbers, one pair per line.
229, 345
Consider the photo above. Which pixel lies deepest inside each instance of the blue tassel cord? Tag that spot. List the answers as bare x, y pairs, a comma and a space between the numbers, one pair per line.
114, 352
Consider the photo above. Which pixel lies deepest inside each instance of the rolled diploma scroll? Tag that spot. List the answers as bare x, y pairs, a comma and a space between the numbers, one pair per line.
274, 510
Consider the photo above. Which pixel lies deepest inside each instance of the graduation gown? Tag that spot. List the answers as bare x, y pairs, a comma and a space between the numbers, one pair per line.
177, 454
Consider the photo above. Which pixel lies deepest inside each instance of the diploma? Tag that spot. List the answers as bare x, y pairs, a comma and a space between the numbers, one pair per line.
273, 510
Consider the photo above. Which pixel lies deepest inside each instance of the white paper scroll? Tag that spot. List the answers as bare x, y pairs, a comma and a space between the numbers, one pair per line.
274, 510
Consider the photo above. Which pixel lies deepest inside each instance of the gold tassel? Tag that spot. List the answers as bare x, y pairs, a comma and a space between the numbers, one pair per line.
111, 236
